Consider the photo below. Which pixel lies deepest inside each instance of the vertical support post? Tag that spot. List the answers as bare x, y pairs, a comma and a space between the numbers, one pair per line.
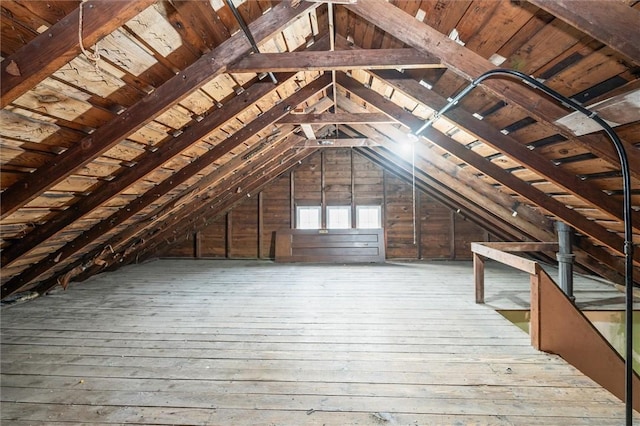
260, 225
383, 210
534, 325
478, 276
292, 206
418, 225
353, 191
565, 258
197, 244
227, 237
323, 194
452, 236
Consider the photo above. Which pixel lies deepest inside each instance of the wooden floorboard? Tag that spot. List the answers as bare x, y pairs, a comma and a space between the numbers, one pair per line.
245, 342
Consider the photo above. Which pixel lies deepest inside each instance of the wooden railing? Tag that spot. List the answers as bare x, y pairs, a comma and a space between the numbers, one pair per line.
498, 251
557, 325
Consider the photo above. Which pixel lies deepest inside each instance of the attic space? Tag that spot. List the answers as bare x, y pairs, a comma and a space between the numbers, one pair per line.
153, 153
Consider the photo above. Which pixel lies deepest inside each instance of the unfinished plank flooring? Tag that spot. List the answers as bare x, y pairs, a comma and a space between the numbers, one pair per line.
199, 342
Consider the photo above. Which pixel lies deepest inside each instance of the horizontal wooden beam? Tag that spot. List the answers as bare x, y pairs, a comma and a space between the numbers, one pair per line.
169, 148
470, 65
518, 246
200, 72
220, 202
339, 60
59, 44
614, 23
539, 198
266, 119
507, 145
617, 110
337, 143
336, 118
155, 220
452, 200
150, 233
520, 263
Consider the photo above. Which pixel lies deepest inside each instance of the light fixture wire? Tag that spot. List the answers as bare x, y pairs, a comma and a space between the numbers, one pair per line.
628, 247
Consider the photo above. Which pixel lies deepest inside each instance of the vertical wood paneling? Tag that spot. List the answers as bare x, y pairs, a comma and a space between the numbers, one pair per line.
466, 233
435, 223
399, 219
276, 213
368, 182
213, 239
182, 248
308, 182
337, 180
349, 179
244, 230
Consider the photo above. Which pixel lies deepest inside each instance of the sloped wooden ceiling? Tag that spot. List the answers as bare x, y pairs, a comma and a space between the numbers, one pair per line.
101, 162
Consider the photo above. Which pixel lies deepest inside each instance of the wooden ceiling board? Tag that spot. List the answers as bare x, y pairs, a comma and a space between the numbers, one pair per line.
75, 102
441, 16
505, 21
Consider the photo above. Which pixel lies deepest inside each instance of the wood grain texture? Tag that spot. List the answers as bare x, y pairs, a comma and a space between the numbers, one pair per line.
613, 23
59, 44
168, 149
470, 65
330, 245
235, 342
168, 184
177, 88
342, 60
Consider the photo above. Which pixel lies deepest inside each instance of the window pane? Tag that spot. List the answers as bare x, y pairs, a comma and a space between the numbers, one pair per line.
339, 217
308, 217
368, 217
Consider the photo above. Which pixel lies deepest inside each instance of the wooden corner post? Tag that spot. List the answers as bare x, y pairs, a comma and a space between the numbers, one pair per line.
478, 276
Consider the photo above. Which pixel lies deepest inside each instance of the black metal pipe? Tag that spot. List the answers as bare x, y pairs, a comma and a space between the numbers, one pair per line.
626, 188
247, 32
565, 258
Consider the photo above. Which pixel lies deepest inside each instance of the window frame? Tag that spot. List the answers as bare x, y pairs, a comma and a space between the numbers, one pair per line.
339, 208
299, 209
378, 208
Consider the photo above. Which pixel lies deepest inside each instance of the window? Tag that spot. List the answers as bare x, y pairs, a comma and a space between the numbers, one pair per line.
308, 217
368, 217
339, 217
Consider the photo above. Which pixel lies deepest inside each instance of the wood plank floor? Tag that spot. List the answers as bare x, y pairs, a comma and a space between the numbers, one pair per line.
198, 342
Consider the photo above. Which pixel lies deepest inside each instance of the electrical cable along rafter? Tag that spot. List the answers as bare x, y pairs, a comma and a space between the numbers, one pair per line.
626, 188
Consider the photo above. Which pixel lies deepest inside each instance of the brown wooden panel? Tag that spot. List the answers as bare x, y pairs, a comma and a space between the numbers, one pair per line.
183, 248
213, 239
330, 245
276, 213
466, 232
399, 219
244, 230
436, 227
307, 180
